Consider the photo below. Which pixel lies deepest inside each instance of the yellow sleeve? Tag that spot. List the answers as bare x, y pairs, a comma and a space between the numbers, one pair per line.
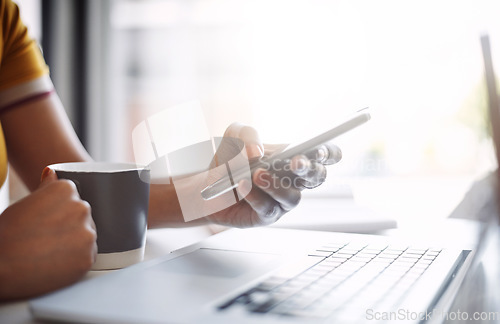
21, 58
23, 72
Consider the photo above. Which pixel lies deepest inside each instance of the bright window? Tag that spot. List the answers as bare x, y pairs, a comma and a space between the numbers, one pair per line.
292, 67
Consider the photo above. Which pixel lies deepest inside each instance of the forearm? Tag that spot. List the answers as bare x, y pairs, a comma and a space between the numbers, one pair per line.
164, 208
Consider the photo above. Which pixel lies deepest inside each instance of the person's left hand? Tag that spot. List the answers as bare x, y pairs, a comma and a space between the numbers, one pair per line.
273, 192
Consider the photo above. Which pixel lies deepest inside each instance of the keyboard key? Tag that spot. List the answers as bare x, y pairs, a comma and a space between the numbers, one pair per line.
385, 261
387, 257
363, 254
327, 266
422, 263
327, 249
318, 253
336, 276
332, 262
371, 251
397, 247
391, 252
288, 306
312, 275
403, 263
318, 289
362, 259
411, 255
298, 283
270, 283
304, 278
265, 305
337, 258
348, 251
258, 297
406, 260
317, 272
356, 245
242, 299
416, 271
341, 254
416, 251
330, 281
287, 290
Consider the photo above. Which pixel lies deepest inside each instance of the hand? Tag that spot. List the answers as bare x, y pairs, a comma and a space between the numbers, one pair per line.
273, 191
47, 240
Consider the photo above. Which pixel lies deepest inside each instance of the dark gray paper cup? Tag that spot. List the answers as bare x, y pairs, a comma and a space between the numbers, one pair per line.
118, 194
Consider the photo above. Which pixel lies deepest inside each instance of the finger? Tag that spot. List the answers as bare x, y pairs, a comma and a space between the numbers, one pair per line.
228, 149
92, 224
283, 190
48, 176
311, 173
94, 252
93, 228
270, 149
265, 209
254, 146
326, 154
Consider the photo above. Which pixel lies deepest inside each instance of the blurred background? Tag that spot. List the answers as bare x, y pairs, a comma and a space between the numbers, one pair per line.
289, 68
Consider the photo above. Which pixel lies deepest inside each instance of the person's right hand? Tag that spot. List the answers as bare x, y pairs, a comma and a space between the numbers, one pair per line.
275, 188
47, 240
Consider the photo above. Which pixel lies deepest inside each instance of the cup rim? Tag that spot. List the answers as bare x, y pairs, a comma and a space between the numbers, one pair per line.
97, 167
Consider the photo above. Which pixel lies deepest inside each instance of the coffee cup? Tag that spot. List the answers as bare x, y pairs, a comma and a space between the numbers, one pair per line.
118, 194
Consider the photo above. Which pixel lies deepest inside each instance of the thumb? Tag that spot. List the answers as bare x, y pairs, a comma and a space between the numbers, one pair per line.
48, 176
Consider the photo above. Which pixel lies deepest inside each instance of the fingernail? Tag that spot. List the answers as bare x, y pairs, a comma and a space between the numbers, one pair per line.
254, 151
337, 154
300, 166
45, 173
262, 178
321, 154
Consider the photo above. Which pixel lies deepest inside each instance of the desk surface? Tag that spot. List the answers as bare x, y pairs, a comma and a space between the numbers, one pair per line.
163, 241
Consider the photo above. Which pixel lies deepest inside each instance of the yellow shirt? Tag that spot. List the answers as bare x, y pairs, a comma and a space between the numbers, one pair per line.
23, 72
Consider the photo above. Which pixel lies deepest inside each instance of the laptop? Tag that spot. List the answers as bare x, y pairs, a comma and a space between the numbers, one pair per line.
272, 275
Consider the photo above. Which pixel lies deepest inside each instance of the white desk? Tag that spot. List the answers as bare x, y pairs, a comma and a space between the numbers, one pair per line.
164, 241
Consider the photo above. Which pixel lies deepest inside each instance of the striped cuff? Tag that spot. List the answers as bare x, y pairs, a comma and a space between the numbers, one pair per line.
25, 92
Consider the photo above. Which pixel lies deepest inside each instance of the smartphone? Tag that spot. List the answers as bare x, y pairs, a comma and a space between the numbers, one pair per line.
226, 184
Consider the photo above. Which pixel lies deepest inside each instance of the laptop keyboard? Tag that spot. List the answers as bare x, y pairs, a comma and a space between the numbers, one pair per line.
341, 279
